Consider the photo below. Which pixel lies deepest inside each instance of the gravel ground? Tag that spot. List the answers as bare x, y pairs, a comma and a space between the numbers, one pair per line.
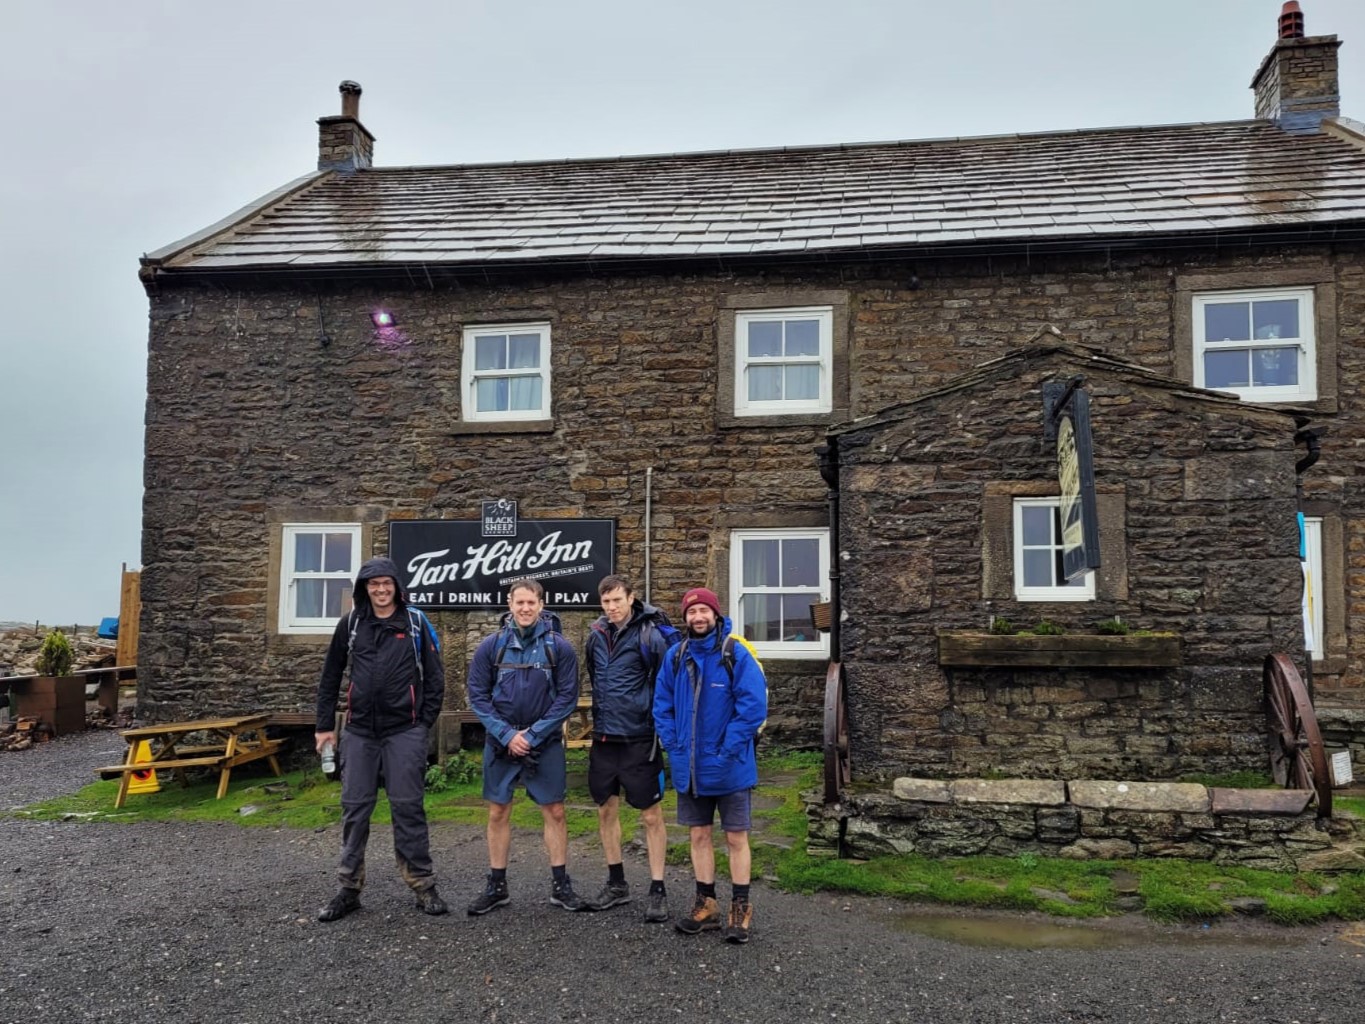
158, 923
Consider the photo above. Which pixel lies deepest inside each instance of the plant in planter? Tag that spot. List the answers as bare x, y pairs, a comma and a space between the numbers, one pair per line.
1113, 627
55, 657
56, 697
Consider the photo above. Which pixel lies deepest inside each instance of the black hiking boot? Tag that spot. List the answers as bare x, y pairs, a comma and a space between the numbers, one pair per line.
342, 904
429, 902
612, 894
562, 895
494, 896
656, 909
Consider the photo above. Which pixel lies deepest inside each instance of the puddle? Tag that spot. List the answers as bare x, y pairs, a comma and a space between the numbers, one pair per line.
985, 931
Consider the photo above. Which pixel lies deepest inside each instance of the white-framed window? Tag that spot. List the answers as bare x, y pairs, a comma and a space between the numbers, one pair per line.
784, 361
1038, 573
318, 563
775, 576
506, 372
1312, 586
1259, 344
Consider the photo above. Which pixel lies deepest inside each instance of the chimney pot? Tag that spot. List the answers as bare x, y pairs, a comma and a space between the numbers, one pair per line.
1291, 21
350, 99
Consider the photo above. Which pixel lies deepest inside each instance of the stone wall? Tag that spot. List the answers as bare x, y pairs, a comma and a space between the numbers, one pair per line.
1089, 820
252, 421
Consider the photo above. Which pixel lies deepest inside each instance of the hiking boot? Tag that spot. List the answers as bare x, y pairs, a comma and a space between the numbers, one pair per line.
657, 907
704, 916
562, 895
342, 904
430, 902
739, 922
612, 894
494, 896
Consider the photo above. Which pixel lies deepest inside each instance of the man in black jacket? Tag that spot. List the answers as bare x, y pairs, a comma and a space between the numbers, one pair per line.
396, 686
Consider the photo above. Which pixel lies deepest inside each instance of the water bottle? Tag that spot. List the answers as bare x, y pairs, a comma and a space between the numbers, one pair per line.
329, 759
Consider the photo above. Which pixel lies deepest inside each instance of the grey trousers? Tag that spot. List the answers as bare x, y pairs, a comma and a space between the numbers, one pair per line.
403, 758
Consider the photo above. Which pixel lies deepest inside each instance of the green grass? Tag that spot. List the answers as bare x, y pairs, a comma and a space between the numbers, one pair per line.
1170, 890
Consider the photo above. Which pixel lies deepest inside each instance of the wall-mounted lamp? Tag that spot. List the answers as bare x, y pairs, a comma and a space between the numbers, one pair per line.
383, 319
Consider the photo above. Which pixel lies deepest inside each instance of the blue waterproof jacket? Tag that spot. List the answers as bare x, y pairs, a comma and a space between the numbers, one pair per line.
522, 691
707, 721
621, 666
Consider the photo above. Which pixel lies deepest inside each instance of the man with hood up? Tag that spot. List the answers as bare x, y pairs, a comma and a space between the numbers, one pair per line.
710, 701
394, 695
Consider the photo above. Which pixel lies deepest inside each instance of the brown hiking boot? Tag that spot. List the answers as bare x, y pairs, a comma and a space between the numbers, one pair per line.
740, 920
704, 916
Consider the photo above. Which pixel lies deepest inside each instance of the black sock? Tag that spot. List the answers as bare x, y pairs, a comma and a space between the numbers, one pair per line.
657, 885
497, 874
616, 873
739, 892
706, 889
560, 872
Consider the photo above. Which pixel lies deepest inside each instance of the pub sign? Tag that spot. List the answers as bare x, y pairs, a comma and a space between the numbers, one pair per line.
1069, 412
455, 564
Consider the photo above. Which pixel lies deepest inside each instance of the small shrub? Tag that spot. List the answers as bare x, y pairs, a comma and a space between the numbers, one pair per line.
55, 657
1001, 626
459, 769
1048, 628
1113, 627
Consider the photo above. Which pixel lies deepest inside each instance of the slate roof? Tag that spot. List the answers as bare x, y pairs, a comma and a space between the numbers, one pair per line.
1085, 186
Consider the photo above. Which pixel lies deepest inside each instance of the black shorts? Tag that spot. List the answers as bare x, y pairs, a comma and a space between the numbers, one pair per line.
637, 766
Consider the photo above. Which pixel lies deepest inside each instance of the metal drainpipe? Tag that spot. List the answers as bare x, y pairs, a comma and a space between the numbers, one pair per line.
649, 500
1313, 440
829, 471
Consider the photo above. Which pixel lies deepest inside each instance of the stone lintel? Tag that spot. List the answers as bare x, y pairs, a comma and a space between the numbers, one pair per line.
1043, 792
929, 791
1140, 796
1260, 801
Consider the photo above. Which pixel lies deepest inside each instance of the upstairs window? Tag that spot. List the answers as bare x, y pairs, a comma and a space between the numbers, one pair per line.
506, 372
775, 576
784, 361
1038, 573
1257, 344
317, 575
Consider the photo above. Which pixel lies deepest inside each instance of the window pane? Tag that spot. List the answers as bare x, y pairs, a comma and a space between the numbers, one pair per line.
803, 382
765, 338
490, 352
337, 553
1038, 567
803, 337
337, 592
1276, 318
760, 616
309, 597
525, 393
492, 394
1037, 522
765, 383
525, 351
800, 562
761, 563
307, 552
796, 617
1227, 321
1226, 369
1271, 367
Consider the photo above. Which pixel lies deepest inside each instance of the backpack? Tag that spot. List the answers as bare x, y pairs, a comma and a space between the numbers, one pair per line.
551, 655
418, 623
727, 654
658, 624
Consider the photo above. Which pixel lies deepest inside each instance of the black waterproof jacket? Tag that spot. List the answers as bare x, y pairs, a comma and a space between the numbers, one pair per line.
622, 665
386, 692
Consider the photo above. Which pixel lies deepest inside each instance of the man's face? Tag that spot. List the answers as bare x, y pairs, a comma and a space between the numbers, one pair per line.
525, 606
700, 619
382, 590
616, 606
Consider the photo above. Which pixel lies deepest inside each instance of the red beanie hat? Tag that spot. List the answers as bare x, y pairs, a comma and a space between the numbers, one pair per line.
700, 595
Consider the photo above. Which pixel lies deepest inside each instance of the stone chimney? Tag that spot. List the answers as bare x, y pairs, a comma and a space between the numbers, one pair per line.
1296, 86
343, 143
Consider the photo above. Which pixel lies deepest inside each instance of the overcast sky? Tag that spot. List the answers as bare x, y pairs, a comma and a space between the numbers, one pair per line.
130, 125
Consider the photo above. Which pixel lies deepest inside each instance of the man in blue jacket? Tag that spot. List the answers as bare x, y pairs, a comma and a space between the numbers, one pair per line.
624, 650
710, 701
395, 692
523, 685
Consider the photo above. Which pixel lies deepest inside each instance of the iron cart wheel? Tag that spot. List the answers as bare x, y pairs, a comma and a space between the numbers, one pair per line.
1297, 757
838, 772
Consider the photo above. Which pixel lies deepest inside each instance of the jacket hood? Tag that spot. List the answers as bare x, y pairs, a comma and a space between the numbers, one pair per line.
639, 612
373, 569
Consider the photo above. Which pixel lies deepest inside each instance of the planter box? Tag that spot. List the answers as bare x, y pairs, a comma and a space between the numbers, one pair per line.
58, 701
1070, 650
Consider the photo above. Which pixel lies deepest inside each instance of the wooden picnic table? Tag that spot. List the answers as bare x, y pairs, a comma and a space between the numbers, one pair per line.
237, 740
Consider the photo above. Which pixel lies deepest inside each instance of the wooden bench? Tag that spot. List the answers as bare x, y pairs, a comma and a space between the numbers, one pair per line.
243, 740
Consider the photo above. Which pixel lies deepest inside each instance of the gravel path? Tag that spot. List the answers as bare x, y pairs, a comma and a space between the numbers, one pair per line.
157, 923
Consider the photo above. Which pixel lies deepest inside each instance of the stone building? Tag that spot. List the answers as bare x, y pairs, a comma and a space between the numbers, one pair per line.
663, 342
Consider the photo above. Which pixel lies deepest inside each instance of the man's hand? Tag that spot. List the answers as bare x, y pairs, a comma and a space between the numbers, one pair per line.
321, 739
519, 745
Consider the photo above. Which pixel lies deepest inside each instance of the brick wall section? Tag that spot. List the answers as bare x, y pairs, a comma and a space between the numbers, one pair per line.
250, 420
